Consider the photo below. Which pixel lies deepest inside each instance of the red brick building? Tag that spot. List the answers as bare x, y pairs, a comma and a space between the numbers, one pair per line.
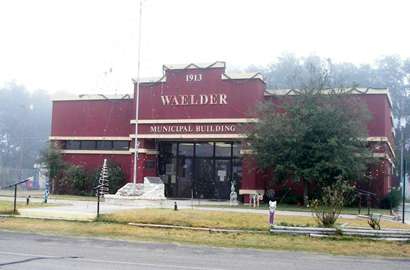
189, 131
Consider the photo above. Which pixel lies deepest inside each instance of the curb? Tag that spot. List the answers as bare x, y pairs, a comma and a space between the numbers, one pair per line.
45, 218
355, 232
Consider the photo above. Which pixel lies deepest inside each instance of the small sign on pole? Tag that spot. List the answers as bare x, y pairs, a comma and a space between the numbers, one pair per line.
272, 208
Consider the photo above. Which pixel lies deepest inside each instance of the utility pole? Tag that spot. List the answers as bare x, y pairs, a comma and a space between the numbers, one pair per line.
137, 94
403, 162
404, 190
402, 172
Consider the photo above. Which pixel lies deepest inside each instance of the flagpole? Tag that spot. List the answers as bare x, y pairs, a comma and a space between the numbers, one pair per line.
137, 90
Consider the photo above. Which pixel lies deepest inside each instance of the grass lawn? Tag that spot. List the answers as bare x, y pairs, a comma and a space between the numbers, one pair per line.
229, 220
337, 246
6, 207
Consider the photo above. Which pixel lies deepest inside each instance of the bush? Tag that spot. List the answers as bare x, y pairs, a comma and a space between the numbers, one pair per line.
327, 209
288, 196
292, 199
75, 180
392, 200
374, 221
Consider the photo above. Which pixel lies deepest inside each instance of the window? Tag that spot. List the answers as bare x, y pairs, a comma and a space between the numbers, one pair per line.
73, 145
223, 149
95, 145
186, 149
104, 145
120, 145
88, 145
204, 149
168, 149
236, 149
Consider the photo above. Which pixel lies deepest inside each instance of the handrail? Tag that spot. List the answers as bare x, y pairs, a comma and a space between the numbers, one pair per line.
15, 192
15, 184
361, 191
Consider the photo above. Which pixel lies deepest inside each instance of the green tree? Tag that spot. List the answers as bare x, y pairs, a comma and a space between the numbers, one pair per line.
314, 137
54, 164
393, 72
80, 181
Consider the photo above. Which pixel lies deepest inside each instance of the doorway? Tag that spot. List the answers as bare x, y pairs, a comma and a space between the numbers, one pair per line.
203, 170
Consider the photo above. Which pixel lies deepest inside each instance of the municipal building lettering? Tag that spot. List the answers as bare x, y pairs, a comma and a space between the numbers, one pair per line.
193, 128
181, 100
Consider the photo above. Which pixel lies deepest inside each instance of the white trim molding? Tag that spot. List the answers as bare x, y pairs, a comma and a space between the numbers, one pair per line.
189, 136
95, 152
251, 191
247, 152
189, 121
145, 151
382, 139
87, 138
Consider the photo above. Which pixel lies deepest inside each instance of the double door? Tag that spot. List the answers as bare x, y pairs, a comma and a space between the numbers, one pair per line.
199, 170
212, 178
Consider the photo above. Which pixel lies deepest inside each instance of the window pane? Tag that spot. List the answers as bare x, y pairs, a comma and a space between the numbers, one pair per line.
222, 149
104, 145
88, 145
236, 149
168, 149
186, 149
237, 171
204, 149
120, 145
74, 145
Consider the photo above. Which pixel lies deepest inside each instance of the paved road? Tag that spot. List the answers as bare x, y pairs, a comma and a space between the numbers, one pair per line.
30, 251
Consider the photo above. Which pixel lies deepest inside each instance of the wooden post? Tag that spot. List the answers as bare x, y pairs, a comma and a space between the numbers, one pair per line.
360, 203
15, 199
368, 204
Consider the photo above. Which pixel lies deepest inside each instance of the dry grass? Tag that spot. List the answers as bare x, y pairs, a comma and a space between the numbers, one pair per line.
6, 207
301, 208
337, 246
229, 220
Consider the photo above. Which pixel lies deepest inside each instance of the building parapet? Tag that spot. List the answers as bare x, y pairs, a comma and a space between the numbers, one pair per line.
354, 91
95, 97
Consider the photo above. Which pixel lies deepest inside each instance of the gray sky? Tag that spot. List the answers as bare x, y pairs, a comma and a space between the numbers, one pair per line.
68, 45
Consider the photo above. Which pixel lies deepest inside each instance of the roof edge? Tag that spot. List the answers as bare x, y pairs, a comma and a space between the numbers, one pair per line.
84, 97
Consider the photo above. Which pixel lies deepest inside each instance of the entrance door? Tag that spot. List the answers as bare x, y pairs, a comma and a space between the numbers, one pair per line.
204, 170
222, 179
210, 182
204, 184
184, 177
